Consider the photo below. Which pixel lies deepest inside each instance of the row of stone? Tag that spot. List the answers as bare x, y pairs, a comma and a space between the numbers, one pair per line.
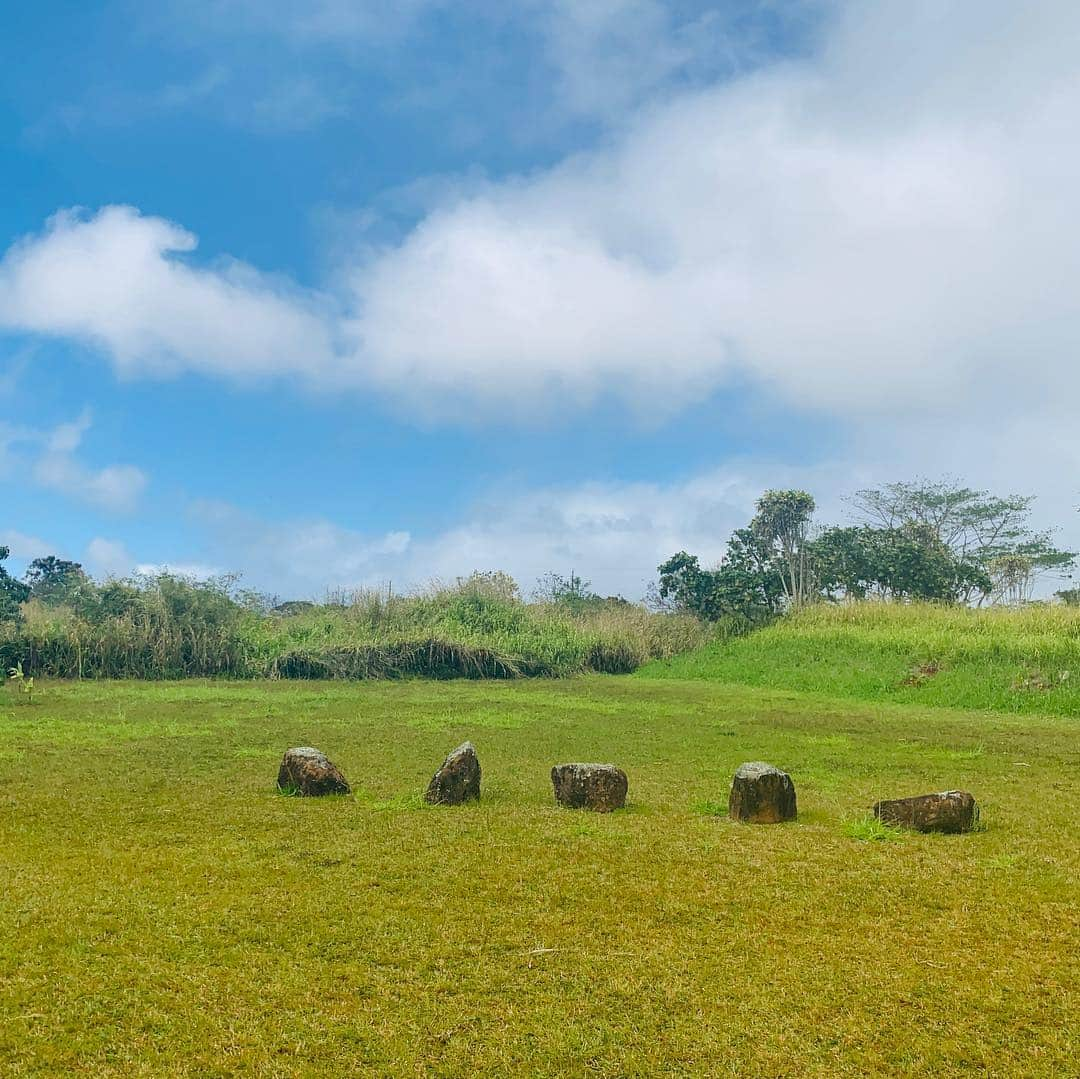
760, 793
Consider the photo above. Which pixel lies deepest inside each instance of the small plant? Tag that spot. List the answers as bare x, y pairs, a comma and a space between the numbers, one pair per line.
21, 682
869, 829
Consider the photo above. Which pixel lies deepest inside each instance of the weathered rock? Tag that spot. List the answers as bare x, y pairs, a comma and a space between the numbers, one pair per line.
309, 772
600, 787
762, 794
458, 780
947, 811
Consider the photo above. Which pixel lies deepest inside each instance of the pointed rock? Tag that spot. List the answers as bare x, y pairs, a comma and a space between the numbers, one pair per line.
600, 787
947, 811
458, 780
307, 771
762, 794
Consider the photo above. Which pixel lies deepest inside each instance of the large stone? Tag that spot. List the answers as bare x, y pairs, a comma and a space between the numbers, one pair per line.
600, 787
305, 770
458, 780
762, 794
947, 811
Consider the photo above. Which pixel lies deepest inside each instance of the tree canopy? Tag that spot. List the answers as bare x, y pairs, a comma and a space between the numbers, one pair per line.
935, 541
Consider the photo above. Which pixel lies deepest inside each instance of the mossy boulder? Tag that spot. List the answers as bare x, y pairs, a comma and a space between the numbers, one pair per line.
946, 811
762, 794
309, 772
457, 780
599, 787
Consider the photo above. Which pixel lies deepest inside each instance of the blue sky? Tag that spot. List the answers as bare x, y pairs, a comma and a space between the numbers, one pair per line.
349, 291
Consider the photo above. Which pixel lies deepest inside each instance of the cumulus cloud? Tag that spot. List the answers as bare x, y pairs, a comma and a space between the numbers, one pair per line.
117, 280
884, 228
49, 458
852, 240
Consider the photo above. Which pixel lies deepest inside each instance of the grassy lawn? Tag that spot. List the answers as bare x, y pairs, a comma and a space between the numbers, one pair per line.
166, 912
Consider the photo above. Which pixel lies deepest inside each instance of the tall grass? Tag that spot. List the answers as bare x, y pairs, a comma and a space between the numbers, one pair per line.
1025, 659
172, 629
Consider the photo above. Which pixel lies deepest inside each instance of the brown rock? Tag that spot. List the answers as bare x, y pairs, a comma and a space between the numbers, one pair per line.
458, 780
947, 811
307, 771
600, 787
762, 794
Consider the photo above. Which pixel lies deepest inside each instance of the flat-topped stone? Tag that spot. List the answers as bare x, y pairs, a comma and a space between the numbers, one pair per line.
600, 787
308, 771
946, 811
761, 794
458, 780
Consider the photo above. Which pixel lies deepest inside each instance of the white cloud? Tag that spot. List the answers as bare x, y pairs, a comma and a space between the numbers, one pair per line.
616, 534
114, 488
24, 548
107, 558
49, 458
885, 229
609, 55
117, 280
613, 534
303, 556
801, 226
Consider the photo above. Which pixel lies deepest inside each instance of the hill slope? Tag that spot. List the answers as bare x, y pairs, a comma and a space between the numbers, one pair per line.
1006, 660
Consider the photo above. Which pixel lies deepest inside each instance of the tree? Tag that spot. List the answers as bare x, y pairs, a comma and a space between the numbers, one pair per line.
686, 588
909, 562
12, 592
967, 521
1012, 578
56, 581
845, 564
747, 583
782, 523
750, 581
570, 591
977, 527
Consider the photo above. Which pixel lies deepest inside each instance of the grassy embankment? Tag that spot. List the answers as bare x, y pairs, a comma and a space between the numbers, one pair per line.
1006, 660
166, 912
173, 629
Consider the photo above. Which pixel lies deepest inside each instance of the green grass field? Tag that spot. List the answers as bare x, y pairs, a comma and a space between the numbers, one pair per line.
166, 912
1025, 661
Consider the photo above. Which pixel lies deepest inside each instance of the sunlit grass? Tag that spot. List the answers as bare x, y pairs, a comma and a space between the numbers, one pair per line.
167, 912
869, 829
1024, 660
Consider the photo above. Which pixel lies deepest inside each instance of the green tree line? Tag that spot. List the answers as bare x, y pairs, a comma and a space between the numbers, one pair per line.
937, 541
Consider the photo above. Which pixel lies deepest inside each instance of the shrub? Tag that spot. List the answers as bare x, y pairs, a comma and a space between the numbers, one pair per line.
169, 627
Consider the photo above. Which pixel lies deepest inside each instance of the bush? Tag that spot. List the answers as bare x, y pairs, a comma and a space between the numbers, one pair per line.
169, 627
